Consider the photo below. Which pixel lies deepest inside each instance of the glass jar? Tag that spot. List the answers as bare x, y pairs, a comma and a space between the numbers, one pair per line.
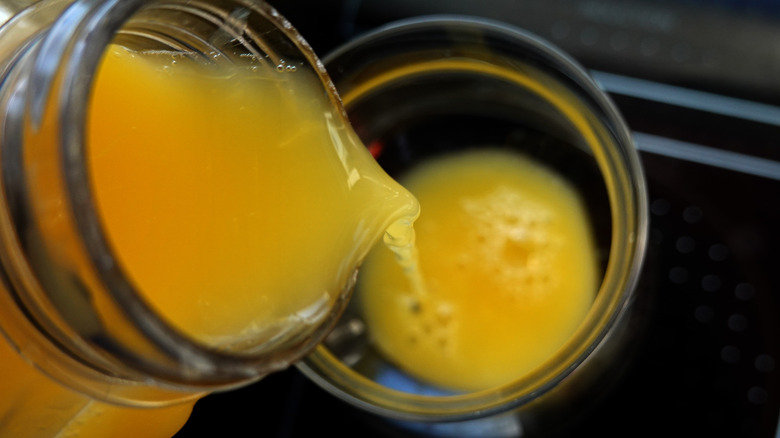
427, 87
82, 349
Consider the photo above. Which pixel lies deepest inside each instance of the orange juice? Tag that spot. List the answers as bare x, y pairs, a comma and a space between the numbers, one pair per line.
48, 409
238, 200
506, 267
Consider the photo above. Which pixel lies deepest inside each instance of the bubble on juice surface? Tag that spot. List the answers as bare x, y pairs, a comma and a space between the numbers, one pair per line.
511, 232
430, 322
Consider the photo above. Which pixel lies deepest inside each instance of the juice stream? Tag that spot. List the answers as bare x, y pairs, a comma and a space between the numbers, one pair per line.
238, 202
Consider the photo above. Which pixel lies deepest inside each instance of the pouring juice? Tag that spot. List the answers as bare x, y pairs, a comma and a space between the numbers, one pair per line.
237, 200
238, 203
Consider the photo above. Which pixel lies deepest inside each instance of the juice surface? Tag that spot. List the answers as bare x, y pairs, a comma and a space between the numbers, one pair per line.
236, 198
507, 272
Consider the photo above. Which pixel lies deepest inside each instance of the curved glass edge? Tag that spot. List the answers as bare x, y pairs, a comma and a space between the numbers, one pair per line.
628, 197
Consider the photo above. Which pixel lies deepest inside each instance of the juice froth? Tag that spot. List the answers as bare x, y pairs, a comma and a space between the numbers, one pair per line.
506, 272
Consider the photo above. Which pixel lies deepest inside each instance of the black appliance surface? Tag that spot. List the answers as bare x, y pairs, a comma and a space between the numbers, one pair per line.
699, 85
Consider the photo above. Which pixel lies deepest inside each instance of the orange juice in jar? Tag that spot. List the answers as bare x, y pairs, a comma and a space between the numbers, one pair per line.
183, 206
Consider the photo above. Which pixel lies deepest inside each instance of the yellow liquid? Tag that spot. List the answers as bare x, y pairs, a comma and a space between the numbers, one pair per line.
34, 406
238, 200
507, 267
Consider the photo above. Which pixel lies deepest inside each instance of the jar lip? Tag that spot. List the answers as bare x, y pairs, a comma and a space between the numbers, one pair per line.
194, 363
337, 378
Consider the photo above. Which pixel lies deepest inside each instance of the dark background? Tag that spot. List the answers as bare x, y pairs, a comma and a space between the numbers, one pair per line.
708, 362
